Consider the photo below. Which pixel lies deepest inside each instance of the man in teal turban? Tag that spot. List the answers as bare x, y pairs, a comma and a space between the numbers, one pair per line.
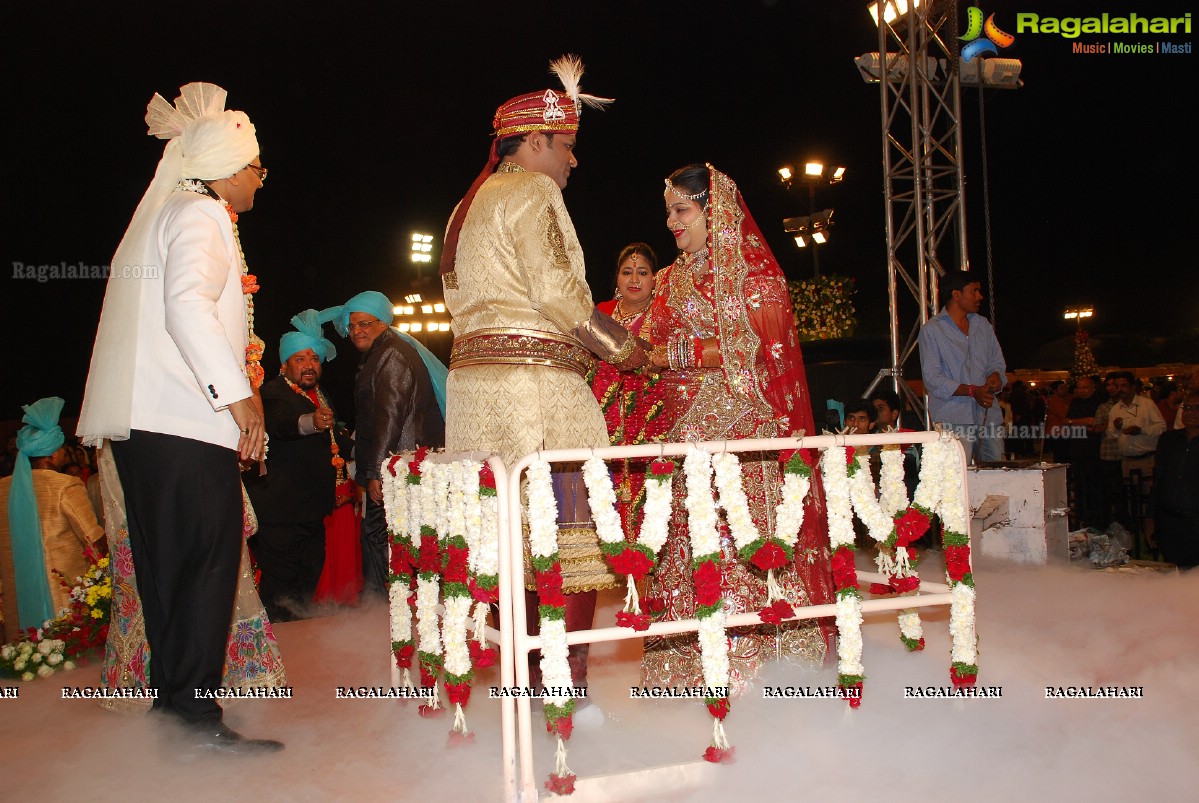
305, 465
46, 523
397, 407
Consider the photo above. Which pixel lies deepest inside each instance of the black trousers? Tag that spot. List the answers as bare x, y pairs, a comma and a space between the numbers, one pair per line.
291, 557
374, 549
183, 501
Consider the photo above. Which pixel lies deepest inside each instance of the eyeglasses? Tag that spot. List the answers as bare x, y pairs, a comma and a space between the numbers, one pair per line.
260, 172
362, 325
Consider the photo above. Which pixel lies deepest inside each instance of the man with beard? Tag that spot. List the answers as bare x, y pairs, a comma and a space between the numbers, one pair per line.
302, 471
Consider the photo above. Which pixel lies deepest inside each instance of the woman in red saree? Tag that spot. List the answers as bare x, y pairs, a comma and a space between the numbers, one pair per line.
722, 328
629, 400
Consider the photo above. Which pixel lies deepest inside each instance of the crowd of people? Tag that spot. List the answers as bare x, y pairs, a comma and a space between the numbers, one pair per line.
202, 465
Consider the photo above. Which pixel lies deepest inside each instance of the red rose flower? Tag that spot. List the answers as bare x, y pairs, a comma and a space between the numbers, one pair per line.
957, 561
430, 558
391, 464
720, 755
707, 584
769, 556
961, 681
549, 587
905, 584
720, 708
429, 712
845, 574
881, 589
458, 693
482, 657
776, 613
561, 784
404, 656
910, 526
563, 726
631, 561
487, 477
661, 468
850, 453
653, 605
428, 677
455, 568
637, 621
855, 701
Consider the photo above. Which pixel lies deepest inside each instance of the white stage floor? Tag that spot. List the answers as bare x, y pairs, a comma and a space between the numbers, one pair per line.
1039, 626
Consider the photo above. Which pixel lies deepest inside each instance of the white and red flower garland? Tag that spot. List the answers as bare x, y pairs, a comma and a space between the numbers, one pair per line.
459, 672
633, 559
848, 607
709, 602
947, 465
481, 517
403, 559
555, 668
894, 560
428, 582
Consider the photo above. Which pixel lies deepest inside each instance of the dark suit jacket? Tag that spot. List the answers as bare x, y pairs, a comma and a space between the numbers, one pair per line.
395, 405
299, 483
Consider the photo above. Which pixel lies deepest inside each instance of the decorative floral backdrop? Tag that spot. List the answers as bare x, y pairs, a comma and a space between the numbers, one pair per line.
823, 307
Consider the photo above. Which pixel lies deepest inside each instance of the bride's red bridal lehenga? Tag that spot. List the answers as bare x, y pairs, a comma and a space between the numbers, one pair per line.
734, 290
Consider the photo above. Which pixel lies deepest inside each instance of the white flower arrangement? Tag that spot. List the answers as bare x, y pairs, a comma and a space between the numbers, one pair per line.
867, 507
701, 509
655, 514
836, 489
732, 499
892, 493
714, 649
961, 625
789, 514
543, 511
602, 499
555, 668
457, 656
472, 512
427, 593
849, 631
909, 625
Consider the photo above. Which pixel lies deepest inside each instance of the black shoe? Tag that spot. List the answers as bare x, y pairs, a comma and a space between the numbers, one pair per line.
221, 739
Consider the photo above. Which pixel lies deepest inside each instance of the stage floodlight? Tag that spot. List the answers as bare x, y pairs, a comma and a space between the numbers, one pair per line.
813, 169
891, 10
838, 174
785, 174
801, 241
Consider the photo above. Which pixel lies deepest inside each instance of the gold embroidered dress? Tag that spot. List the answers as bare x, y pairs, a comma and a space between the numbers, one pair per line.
734, 291
517, 294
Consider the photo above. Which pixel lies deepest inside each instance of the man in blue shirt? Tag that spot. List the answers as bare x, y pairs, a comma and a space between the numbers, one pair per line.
963, 369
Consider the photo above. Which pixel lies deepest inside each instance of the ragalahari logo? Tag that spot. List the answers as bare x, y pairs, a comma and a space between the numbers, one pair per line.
976, 28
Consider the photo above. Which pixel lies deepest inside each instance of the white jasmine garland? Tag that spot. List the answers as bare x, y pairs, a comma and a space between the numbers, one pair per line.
427, 592
602, 499
456, 513
457, 656
732, 499
472, 518
867, 507
555, 669
655, 514
701, 510
441, 497
892, 493
849, 631
788, 516
909, 625
928, 488
961, 625
487, 557
543, 510
836, 489
714, 650
389, 501
951, 509
401, 612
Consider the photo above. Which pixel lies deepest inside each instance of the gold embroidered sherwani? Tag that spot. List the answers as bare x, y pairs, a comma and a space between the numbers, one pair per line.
518, 297
68, 522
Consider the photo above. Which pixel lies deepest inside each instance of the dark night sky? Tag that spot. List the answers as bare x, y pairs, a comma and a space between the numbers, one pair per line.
374, 118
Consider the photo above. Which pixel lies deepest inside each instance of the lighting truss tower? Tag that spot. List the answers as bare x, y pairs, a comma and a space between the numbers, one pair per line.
917, 68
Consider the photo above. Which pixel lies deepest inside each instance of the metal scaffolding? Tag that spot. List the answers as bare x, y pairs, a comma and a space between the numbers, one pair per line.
920, 101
